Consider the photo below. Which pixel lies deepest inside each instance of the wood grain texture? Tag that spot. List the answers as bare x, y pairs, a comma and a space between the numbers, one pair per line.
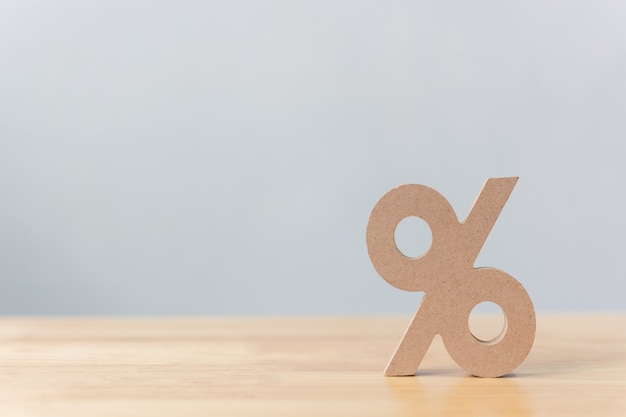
295, 366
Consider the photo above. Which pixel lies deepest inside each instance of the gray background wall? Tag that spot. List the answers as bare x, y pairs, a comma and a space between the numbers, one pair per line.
179, 157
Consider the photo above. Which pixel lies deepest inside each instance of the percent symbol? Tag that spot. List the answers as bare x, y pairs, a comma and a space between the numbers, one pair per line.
452, 286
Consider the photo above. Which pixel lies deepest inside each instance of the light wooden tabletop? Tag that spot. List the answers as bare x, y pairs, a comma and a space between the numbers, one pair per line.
295, 367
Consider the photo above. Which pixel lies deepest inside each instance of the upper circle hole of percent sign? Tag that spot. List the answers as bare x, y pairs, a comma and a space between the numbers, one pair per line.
452, 286
412, 237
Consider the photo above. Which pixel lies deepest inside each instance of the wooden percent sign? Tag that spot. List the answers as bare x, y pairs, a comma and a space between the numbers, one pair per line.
452, 286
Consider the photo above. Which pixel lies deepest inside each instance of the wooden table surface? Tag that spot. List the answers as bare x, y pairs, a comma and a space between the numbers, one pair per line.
295, 367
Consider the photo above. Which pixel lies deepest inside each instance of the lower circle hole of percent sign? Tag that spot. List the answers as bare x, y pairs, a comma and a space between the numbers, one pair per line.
452, 286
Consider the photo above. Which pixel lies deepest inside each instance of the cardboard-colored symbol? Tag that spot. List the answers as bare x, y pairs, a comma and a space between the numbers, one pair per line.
452, 286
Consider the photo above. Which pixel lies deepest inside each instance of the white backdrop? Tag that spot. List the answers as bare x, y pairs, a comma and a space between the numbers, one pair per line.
180, 157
